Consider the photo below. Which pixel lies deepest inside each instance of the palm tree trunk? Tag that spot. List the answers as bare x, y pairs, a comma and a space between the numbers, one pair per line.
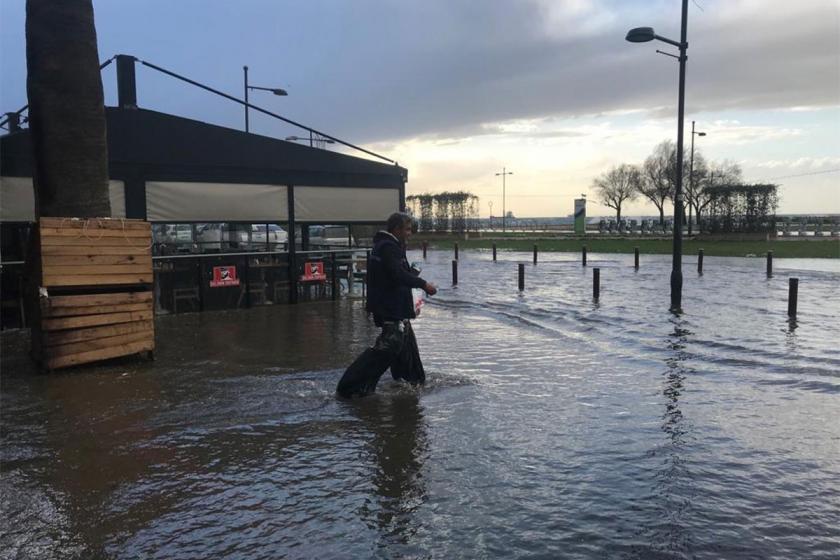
66, 110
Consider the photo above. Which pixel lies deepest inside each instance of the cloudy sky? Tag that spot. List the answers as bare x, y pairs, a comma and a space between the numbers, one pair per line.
455, 90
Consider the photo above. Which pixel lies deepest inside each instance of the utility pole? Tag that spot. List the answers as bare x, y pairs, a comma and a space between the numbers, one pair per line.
504, 175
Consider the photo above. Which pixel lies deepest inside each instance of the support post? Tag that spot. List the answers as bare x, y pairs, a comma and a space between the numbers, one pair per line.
521, 277
454, 272
494, 252
535, 253
769, 264
456, 251
636, 257
425, 248
583, 254
793, 295
367, 275
13, 121
334, 264
126, 82
596, 283
290, 197
700, 261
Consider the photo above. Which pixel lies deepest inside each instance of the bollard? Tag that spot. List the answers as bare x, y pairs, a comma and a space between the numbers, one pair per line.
456, 251
700, 261
596, 283
334, 265
793, 294
425, 247
494, 252
583, 249
454, 273
636, 252
521, 277
769, 264
535, 253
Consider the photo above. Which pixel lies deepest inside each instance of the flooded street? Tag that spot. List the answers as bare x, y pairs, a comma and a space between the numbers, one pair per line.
551, 426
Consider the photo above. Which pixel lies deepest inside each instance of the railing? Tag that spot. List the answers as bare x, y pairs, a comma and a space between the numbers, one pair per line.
217, 281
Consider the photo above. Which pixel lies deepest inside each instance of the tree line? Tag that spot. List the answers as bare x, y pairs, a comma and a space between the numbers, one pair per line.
446, 211
656, 180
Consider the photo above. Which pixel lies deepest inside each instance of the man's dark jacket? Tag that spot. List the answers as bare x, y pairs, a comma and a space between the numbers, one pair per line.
390, 280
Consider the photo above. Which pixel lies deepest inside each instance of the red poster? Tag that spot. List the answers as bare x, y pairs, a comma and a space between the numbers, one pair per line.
224, 276
313, 271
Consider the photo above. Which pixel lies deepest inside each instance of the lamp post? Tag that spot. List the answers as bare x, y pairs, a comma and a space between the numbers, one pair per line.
311, 140
643, 35
691, 193
504, 174
275, 91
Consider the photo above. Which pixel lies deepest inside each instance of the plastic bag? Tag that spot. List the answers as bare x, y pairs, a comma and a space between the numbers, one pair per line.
408, 365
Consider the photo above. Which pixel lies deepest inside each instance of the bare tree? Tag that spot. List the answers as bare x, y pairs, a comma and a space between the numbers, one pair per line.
619, 184
658, 176
66, 109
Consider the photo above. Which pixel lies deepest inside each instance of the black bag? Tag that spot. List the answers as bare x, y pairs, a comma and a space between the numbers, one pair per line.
408, 366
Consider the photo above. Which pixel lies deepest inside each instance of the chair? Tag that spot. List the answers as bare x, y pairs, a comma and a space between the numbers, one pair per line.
256, 290
184, 294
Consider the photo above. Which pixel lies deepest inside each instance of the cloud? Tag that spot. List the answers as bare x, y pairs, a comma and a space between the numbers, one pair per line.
459, 64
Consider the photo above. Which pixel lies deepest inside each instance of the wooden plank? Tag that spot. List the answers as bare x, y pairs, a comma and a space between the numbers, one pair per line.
96, 279
94, 223
94, 233
62, 323
93, 251
92, 241
97, 355
97, 299
54, 338
82, 260
99, 343
50, 312
97, 269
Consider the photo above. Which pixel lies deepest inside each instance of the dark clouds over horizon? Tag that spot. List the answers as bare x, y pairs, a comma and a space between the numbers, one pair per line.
382, 71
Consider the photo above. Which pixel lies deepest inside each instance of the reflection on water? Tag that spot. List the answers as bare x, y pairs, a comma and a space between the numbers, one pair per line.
551, 426
397, 450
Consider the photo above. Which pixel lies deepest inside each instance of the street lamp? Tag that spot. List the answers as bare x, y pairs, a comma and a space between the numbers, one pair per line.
504, 174
275, 91
691, 194
643, 35
310, 140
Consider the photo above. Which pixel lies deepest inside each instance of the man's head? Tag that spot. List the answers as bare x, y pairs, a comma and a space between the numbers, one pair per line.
399, 225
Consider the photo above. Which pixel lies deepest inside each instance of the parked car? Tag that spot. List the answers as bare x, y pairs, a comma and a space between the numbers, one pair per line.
174, 238
209, 238
277, 237
330, 236
224, 237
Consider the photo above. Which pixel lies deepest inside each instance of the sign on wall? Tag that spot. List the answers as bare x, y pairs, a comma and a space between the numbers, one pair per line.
224, 276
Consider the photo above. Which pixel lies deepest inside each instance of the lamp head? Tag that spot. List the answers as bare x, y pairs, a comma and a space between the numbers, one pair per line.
701, 134
640, 35
278, 91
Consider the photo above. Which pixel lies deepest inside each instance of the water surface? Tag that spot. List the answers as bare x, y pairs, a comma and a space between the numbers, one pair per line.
552, 426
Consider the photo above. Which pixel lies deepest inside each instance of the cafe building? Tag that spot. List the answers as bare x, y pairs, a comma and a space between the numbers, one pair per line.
218, 198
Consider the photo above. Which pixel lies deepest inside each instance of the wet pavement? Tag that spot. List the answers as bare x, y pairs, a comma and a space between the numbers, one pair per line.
551, 426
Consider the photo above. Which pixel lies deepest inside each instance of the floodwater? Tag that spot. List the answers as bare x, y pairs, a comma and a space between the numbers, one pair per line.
552, 426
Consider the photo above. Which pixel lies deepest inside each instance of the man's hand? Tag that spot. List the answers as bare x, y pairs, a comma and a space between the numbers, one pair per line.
430, 288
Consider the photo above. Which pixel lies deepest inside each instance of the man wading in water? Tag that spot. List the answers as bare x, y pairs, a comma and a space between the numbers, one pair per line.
390, 280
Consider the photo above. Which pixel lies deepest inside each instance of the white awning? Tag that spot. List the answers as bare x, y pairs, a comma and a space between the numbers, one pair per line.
345, 204
215, 202
17, 199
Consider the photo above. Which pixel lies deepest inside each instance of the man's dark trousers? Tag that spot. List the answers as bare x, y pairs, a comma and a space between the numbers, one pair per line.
395, 347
